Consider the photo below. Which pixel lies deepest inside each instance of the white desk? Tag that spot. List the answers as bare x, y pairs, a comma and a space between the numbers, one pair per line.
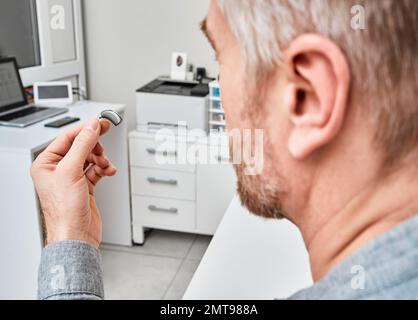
251, 258
20, 234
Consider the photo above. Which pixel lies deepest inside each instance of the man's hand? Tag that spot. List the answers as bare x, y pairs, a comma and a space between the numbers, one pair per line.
65, 176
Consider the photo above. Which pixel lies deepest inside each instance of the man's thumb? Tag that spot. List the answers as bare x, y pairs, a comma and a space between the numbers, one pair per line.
83, 145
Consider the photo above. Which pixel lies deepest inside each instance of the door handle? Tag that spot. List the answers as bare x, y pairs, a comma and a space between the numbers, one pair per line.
158, 209
171, 182
164, 153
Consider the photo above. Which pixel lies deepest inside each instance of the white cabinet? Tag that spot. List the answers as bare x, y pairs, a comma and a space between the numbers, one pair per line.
173, 194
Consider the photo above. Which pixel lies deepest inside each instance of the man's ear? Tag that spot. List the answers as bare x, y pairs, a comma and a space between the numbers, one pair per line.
316, 92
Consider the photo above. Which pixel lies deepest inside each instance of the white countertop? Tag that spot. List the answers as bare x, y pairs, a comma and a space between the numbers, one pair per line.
251, 258
29, 138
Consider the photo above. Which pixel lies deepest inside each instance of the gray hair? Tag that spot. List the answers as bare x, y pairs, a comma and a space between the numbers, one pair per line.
383, 57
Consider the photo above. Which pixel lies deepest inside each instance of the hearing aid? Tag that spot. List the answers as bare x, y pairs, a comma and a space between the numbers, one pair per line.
112, 116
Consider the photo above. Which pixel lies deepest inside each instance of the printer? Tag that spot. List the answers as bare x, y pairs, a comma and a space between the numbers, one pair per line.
169, 103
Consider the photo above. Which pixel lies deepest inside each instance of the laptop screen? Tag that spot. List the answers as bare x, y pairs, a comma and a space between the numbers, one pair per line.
10, 87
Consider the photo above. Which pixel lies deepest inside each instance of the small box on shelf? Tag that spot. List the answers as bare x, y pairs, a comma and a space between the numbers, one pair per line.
215, 104
215, 92
217, 117
217, 129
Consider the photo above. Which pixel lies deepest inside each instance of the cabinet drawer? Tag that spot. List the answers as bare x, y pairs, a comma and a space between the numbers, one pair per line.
163, 213
165, 184
154, 154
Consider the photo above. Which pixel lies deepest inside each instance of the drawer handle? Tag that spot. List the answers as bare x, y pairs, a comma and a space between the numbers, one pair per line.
223, 159
171, 182
157, 209
164, 153
162, 124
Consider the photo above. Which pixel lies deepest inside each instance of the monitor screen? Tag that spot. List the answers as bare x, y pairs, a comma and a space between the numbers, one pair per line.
19, 32
10, 87
53, 92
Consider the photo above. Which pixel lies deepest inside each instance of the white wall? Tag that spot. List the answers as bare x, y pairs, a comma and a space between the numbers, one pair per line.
129, 42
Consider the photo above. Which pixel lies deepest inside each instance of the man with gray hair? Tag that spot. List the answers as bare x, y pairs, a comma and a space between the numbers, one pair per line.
333, 85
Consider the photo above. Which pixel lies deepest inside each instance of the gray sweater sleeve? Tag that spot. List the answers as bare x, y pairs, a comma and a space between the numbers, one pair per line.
70, 270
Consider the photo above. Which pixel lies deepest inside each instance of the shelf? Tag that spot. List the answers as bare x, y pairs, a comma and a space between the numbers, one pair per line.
218, 134
214, 98
217, 123
217, 111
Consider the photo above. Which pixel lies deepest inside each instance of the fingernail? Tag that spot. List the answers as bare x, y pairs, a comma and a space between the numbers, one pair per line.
92, 124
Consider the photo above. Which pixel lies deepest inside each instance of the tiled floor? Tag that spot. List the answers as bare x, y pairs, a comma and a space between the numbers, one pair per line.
160, 269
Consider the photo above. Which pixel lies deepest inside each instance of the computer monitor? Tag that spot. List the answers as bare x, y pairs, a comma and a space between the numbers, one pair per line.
12, 93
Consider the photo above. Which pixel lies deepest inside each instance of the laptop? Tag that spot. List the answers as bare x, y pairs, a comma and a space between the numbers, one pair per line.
15, 111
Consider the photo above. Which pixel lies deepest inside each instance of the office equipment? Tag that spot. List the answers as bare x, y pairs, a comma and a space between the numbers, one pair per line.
164, 102
251, 258
20, 223
53, 93
14, 108
178, 66
201, 90
62, 122
112, 116
167, 193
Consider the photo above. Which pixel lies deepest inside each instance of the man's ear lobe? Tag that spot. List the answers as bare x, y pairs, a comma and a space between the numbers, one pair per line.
316, 94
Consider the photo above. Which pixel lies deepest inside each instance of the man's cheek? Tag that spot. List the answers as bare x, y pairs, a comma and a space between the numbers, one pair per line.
231, 120
232, 109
